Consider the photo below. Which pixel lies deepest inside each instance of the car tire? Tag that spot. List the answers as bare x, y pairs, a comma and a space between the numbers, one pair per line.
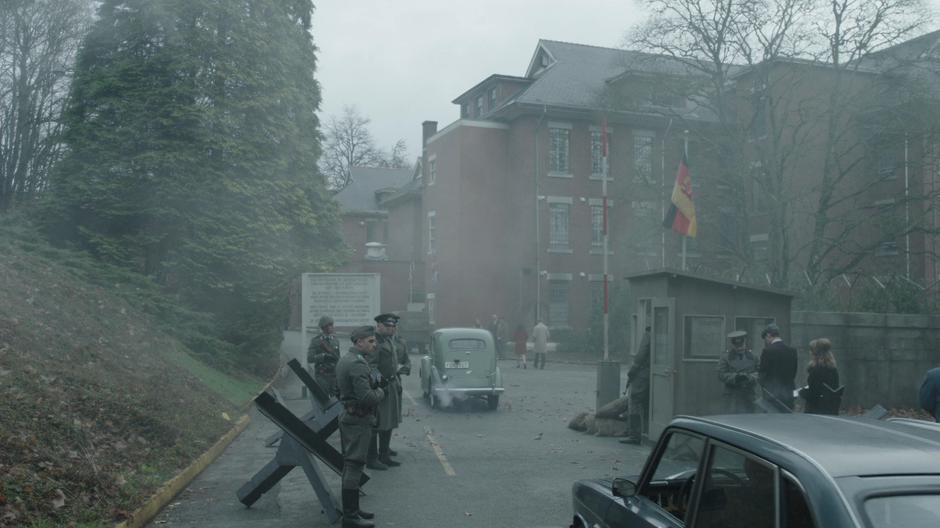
492, 401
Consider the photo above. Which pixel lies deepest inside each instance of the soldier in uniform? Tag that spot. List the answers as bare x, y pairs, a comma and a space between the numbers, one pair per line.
323, 354
386, 361
360, 393
638, 384
737, 369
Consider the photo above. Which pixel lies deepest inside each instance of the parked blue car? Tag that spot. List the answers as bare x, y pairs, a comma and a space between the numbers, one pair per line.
775, 470
461, 364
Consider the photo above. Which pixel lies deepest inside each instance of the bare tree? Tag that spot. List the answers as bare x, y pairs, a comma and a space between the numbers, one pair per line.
349, 144
38, 43
797, 114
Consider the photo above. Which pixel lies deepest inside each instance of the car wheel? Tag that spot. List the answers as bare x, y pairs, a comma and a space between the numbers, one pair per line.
492, 401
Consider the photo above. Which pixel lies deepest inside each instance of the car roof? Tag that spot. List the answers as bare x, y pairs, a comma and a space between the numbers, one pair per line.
841, 446
479, 333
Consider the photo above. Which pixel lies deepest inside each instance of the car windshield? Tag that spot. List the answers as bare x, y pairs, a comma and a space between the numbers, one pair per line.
903, 510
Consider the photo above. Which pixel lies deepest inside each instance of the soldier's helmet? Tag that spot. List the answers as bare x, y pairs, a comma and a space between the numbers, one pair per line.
325, 321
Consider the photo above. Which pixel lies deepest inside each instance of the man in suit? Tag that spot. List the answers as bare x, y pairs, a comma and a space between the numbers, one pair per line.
777, 367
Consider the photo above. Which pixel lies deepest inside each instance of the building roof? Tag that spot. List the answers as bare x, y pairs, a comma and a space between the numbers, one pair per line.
577, 77
677, 273
842, 446
360, 195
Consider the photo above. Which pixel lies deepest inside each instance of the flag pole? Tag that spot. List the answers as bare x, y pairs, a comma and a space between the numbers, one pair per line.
605, 165
685, 151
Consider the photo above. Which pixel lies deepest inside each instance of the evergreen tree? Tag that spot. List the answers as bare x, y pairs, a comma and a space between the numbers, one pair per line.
192, 155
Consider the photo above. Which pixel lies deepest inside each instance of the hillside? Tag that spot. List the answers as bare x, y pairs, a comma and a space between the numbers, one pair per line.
97, 406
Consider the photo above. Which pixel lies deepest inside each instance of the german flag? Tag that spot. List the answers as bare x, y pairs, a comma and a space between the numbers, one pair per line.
681, 214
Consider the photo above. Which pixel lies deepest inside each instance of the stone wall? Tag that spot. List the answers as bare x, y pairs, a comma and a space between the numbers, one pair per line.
882, 357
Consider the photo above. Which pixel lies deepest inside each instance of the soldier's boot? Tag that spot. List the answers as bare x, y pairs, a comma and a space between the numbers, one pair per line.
635, 428
372, 459
362, 513
384, 456
351, 516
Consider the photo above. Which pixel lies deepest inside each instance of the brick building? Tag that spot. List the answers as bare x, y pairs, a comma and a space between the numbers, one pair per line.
505, 213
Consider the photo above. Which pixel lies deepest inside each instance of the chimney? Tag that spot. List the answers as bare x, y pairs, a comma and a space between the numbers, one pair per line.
428, 129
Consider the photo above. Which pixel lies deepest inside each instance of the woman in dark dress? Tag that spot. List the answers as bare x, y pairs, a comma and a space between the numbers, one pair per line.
821, 394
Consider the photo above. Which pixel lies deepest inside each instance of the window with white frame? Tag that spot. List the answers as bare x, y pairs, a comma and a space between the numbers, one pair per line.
597, 225
492, 98
479, 106
558, 155
643, 158
597, 152
558, 302
432, 170
432, 232
559, 219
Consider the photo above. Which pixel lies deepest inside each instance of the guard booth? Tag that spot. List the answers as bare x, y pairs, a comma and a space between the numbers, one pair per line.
690, 317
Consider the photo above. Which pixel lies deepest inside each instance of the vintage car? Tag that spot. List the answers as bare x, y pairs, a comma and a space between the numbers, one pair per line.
461, 364
775, 470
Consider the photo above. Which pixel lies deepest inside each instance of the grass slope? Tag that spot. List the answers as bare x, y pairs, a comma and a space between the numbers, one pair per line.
97, 407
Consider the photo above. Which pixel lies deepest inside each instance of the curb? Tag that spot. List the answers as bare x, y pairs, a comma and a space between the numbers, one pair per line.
168, 491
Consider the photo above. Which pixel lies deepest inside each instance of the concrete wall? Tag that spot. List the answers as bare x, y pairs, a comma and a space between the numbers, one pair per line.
882, 357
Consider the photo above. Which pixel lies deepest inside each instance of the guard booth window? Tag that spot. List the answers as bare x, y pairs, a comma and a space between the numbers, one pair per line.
704, 336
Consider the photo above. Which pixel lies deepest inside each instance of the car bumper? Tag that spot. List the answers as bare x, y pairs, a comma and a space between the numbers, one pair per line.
480, 391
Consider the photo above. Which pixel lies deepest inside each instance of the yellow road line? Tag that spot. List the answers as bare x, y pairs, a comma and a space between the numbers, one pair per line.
440, 455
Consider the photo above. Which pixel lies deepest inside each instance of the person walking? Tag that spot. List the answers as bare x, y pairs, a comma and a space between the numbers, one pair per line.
540, 337
360, 394
822, 393
737, 370
323, 354
930, 393
638, 387
386, 361
497, 327
520, 340
777, 367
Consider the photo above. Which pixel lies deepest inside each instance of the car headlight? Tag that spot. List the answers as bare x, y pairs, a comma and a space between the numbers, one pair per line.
444, 377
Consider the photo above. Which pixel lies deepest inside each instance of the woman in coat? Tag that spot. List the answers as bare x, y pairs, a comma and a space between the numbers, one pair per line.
520, 337
822, 393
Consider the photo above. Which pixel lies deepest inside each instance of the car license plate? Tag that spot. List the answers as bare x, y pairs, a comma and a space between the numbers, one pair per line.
455, 364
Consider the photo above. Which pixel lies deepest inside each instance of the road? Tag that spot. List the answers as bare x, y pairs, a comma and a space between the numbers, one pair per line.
471, 467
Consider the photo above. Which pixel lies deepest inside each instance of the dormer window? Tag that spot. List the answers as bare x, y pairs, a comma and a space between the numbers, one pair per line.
479, 106
492, 98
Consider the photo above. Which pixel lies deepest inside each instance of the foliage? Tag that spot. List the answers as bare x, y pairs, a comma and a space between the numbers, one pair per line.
38, 39
98, 407
192, 147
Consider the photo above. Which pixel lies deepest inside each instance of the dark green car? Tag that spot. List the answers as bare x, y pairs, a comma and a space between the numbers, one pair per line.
775, 470
460, 365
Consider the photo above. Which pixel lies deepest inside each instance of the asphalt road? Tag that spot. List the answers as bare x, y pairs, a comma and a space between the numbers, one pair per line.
467, 467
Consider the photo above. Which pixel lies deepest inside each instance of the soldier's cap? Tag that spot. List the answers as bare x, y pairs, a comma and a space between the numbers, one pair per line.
325, 321
388, 319
361, 333
771, 330
737, 334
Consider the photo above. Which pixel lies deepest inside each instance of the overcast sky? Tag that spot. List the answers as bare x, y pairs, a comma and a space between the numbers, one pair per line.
402, 62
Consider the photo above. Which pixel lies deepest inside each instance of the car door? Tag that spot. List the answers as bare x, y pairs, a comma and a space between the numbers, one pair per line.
665, 489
